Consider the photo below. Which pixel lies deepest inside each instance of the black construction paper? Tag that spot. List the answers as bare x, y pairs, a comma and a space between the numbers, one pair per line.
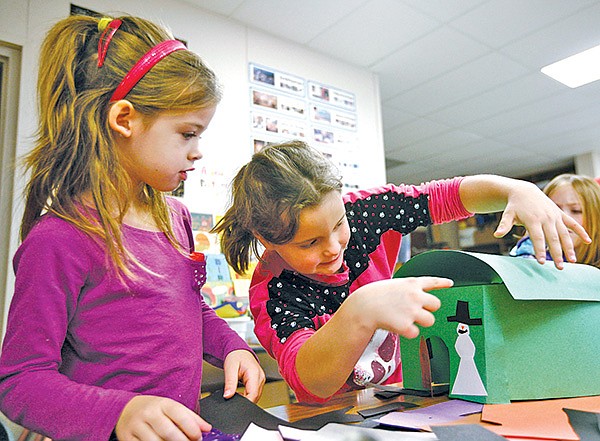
465, 432
384, 391
386, 394
235, 414
386, 408
335, 416
585, 424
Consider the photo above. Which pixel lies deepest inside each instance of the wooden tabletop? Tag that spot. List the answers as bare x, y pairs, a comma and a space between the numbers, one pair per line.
364, 399
360, 400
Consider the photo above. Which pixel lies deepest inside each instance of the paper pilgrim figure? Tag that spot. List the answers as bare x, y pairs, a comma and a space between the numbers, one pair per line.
467, 381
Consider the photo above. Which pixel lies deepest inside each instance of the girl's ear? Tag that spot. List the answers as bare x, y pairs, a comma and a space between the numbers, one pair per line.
120, 117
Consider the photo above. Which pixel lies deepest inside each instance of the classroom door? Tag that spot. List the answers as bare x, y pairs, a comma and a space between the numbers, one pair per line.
10, 63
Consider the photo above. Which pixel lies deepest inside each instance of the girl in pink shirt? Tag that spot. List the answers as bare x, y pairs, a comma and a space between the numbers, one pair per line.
107, 328
322, 295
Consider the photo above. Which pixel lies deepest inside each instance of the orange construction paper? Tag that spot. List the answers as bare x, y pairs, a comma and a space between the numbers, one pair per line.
542, 419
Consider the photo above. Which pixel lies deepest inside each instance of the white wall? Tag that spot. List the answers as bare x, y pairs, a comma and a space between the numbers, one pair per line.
227, 47
588, 164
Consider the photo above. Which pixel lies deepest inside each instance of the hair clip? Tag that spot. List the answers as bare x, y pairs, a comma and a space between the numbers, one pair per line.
110, 27
103, 22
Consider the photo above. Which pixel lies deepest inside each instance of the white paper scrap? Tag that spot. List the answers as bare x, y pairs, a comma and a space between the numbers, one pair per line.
343, 432
293, 434
256, 433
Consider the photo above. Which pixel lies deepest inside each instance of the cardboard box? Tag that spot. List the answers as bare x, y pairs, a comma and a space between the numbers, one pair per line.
509, 329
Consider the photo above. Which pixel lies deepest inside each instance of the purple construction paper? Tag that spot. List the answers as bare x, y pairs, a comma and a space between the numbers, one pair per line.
452, 408
217, 435
409, 420
441, 413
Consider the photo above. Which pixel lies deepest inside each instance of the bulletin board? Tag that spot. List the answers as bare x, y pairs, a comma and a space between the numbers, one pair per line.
282, 106
285, 106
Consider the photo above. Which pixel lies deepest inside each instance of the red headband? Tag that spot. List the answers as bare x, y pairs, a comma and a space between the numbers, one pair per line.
141, 68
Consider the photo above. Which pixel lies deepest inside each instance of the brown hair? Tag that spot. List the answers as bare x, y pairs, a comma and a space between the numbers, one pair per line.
589, 193
268, 194
74, 153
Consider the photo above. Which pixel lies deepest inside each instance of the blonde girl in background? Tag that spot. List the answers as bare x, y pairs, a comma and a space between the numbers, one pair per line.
107, 328
579, 197
322, 295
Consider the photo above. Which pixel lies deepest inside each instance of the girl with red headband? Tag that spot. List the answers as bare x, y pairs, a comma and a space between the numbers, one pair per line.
107, 327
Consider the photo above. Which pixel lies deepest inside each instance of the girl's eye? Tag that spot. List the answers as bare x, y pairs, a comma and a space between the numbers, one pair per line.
308, 245
189, 135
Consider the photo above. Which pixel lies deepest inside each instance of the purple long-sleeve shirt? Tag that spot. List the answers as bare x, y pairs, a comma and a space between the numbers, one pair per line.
80, 343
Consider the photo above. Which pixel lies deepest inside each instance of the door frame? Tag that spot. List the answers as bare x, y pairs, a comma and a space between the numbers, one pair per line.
10, 72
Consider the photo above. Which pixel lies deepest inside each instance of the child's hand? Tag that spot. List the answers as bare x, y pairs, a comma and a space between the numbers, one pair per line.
242, 365
545, 223
148, 417
398, 305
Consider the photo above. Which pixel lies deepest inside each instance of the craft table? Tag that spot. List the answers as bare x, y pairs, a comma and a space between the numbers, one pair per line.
360, 400
366, 399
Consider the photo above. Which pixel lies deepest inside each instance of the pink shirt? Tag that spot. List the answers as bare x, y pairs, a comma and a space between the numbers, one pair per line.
80, 343
288, 307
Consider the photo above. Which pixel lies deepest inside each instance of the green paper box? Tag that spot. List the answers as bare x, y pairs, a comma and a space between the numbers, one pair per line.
509, 329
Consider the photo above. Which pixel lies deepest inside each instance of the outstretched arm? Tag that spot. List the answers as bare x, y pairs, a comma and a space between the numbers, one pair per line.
327, 358
523, 203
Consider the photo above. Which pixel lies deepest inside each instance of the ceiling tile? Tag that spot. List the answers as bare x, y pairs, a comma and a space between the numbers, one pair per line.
444, 10
465, 82
529, 115
222, 7
372, 31
412, 132
511, 95
528, 164
557, 140
296, 21
393, 117
413, 173
424, 59
446, 143
498, 23
558, 40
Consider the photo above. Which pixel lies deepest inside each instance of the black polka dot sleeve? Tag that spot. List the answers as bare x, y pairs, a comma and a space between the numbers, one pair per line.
294, 301
375, 214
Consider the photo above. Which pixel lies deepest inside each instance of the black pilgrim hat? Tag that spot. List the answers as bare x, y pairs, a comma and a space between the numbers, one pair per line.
462, 314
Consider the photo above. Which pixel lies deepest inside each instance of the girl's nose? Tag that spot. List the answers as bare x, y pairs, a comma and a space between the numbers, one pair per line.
195, 154
333, 247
